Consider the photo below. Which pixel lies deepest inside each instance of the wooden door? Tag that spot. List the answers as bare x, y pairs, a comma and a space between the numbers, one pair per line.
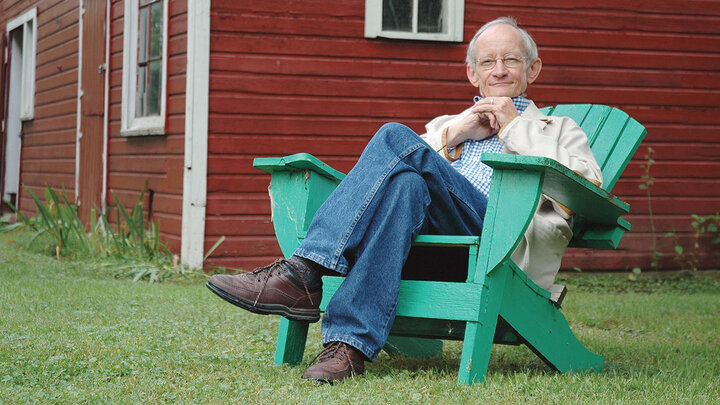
91, 140
12, 135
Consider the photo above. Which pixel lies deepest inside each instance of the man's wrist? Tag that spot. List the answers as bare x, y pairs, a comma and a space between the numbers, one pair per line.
452, 137
447, 149
500, 132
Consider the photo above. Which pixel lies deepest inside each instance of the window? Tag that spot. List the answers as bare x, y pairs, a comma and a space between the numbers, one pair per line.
430, 20
144, 67
22, 33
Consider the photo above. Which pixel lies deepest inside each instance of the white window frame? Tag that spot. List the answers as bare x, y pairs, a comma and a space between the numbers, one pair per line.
130, 124
28, 21
454, 17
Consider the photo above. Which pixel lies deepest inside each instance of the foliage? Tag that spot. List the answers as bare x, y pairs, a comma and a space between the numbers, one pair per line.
132, 239
648, 181
655, 282
70, 334
707, 225
56, 219
704, 226
129, 240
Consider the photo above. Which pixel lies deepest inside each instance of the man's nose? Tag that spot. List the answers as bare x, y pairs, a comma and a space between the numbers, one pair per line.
499, 69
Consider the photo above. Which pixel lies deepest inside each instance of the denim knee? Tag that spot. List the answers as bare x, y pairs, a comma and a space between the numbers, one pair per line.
395, 131
397, 138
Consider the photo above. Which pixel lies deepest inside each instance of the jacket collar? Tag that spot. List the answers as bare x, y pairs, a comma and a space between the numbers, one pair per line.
533, 113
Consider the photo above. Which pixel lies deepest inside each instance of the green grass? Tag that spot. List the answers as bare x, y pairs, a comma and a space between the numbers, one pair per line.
71, 333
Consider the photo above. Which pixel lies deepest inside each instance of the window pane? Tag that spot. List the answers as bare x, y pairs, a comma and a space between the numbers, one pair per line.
397, 15
143, 21
153, 96
149, 58
430, 16
140, 96
156, 24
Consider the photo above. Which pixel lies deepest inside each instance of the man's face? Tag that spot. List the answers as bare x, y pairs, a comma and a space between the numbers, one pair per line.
498, 42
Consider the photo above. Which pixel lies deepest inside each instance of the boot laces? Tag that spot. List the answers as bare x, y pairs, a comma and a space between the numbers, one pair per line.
334, 350
278, 266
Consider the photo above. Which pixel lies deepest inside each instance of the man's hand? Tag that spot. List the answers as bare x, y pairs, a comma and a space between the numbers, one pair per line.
487, 117
501, 109
472, 126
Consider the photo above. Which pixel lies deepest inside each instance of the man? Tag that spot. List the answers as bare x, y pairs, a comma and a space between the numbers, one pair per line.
405, 184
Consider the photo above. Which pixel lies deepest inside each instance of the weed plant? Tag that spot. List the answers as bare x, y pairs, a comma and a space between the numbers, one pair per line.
131, 247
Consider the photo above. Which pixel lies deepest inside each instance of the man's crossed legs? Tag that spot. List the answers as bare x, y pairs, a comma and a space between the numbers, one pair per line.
398, 189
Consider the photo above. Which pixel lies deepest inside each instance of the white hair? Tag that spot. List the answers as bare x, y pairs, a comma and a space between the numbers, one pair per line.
531, 51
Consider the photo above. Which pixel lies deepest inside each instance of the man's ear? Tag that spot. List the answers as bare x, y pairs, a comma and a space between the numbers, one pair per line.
534, 70
472, 77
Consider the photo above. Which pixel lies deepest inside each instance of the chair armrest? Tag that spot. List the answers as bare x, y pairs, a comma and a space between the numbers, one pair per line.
563, 185
299, 184
298, 161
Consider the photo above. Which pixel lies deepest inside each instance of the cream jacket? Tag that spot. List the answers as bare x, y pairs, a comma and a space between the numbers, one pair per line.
540, 252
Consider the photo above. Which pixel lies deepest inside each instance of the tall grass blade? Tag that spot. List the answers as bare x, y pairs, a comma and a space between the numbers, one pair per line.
132, 226
215, 246
75, 223
47, 218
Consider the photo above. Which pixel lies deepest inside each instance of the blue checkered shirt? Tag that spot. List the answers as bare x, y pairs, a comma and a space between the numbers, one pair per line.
469, 164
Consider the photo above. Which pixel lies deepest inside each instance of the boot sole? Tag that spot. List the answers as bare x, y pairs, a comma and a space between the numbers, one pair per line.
264, 309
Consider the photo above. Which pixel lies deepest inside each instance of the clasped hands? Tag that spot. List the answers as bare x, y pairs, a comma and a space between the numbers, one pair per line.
486, 118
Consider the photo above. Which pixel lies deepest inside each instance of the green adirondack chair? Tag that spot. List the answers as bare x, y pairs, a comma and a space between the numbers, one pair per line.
497, 303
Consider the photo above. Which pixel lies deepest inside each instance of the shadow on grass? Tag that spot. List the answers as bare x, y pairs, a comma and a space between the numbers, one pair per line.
504, 361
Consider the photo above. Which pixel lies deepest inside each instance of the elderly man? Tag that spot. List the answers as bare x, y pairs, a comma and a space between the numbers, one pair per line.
405, 184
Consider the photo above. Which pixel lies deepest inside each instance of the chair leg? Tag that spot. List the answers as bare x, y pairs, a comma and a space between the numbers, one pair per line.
556, 344
545, 330
476, 352
291, 339
479, 336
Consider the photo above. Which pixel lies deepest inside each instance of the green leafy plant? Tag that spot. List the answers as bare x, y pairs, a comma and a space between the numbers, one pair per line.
648, 181
161, 270
56, 219
132, 239
704, 226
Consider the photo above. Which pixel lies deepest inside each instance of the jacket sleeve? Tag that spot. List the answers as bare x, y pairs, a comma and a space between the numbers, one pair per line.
558, 138
435, 128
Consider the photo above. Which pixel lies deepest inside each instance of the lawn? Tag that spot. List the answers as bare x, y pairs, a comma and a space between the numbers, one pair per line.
70, 332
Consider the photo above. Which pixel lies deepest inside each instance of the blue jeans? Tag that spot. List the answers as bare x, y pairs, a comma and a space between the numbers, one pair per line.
399, 188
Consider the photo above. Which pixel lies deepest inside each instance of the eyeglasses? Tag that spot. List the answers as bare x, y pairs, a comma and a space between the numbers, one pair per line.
510, 61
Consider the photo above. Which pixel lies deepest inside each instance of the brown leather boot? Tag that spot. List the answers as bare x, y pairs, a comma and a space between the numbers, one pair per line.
338, 361
285, 287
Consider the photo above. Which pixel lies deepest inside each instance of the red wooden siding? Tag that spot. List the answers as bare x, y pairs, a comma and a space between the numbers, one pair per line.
48, 145
157, 160
291, 76
661, 64
48, 150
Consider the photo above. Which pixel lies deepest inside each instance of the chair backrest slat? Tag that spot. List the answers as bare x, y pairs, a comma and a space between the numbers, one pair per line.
575, 111
625, 146
605, 142
613, 135
594, 121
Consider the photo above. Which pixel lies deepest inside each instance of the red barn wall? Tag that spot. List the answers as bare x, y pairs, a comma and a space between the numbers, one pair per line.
157, 160
48, 144
659, 62
48, 149
291, 76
